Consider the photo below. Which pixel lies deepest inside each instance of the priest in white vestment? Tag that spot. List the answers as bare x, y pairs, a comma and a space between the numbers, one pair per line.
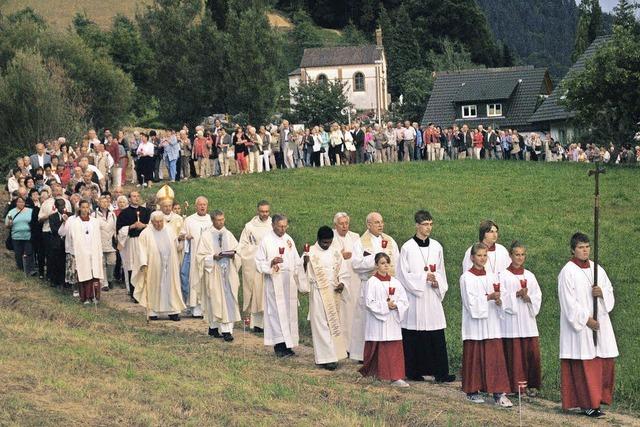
498, 256
278, 260
587, 367
343, 240
326, 275
217, 265
422, 274
252, 279
157, 281
192, 230
373, 241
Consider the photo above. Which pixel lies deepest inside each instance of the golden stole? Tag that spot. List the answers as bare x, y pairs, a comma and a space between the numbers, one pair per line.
330, 307
367, 245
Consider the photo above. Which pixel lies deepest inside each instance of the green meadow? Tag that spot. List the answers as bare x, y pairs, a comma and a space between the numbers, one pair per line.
540, 204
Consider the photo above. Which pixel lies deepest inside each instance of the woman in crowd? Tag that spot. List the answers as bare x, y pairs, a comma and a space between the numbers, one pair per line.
241, 150
18, 221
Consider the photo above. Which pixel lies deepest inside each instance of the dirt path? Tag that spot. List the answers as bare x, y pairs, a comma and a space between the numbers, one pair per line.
535, 411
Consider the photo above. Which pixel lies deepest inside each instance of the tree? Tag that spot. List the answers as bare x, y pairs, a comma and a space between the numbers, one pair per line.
37, 102
319, 103
624, 15
605, 94
589, 26
415, 85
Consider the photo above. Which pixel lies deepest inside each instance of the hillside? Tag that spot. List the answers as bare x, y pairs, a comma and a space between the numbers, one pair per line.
63, 363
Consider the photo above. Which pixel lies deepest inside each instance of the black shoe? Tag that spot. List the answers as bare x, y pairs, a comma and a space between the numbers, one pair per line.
153, 317
593, 413
227, 336
198, 317
446, 379
105, 289
290, 352
213, 332
174, 317
360, 362
415, 378
258, 330
329, 366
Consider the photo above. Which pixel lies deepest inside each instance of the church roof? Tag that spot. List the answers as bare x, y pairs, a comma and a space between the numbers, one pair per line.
340, 55
552, 108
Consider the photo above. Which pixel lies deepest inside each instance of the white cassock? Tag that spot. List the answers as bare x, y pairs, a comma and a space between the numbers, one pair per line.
425, 311
219, 280
382, 324
497, 260
175, 222
481, 318
158, 289
252, 280
87, 248
193, 226
281, 289
351, 293
364, 266
325, 270
576, 306
520, 317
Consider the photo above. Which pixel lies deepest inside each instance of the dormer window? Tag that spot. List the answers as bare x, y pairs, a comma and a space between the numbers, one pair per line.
494, 110
322, 78
469, 111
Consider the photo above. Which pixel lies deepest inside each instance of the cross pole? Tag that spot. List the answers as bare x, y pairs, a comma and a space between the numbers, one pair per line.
596, 237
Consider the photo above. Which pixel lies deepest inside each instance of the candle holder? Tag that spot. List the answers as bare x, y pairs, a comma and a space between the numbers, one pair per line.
392, 291
281, 250
306, 248
432, 268
496, 287
384, 244
523, 283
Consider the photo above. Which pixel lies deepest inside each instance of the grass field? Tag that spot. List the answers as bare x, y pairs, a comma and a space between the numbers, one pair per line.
539, 204
62, 363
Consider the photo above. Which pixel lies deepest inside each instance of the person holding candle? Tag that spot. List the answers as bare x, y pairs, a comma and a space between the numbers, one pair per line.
521, 299
252, 280
282, 268
372, 242
484, 367
587, 366
386, 306
326, 274
217, 266
422, 274
498, 256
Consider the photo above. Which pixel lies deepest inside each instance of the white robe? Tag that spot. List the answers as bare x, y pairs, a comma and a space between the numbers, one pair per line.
520, 317
381, 323
219, 279
481, 319
497, 261
326, 349
87, 248
252, 280
576, 306
365, 266
352, 284
281, 289
158, 289
425, 311
194, 226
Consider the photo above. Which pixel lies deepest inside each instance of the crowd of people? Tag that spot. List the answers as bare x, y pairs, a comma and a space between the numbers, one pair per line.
149, 157
370, 299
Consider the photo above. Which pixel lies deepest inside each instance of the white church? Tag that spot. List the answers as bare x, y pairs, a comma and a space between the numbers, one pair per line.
362, 69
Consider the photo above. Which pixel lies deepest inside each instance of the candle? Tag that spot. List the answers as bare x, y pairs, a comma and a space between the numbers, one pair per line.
281, 250
392, 291
523, 283
384, 244
432, 268
138, 215
306, 247
496, 287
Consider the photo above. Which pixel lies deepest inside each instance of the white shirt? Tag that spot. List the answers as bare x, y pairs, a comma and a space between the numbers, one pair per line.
425, 311
520, 317
382, 324
145, 149
576, 306
481, 319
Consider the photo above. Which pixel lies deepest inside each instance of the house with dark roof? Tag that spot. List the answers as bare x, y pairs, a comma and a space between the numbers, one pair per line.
552, 116
497, 97
363, 70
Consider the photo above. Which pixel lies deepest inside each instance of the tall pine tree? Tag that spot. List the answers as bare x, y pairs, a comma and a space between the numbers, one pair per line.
589, 26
